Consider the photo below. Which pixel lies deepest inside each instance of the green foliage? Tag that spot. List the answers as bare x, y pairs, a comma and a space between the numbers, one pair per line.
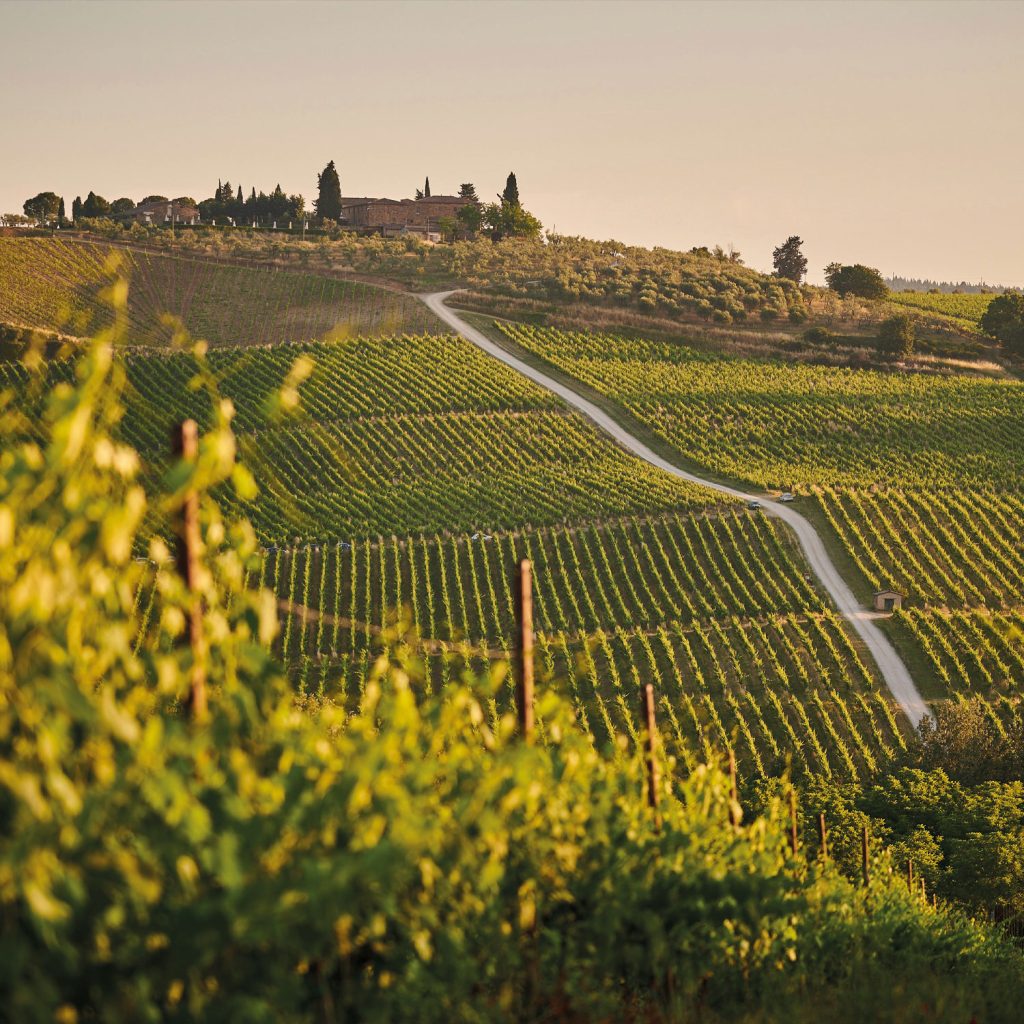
470, 218
121, 206
327, 204
789, 261
510, 194
1004, 320
896, 337
968, 308
865, 282
510, 220
43, 207
468, 191
95, 206
274, 862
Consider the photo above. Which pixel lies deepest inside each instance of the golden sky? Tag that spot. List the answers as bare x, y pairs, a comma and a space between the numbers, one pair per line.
884, 133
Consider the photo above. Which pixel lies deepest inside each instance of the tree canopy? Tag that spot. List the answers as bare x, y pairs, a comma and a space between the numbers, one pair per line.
789, 261
511, 193
856, 280
42, 207
327, 204
468, 191
1004, 320
95, 206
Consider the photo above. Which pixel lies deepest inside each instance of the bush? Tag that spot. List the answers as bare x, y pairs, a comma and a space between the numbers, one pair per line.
1004, 320
818, 335
896, 337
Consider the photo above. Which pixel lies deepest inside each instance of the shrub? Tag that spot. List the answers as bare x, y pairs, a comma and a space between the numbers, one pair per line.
896, 337
1004, 320
818, 335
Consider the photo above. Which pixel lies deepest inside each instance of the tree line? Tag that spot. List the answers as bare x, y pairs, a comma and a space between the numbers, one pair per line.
229, 205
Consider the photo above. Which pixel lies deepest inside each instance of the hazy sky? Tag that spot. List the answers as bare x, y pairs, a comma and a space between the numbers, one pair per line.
885, 133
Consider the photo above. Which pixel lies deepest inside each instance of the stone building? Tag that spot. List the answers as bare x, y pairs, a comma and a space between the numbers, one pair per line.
387, 215
888, 601
162, 212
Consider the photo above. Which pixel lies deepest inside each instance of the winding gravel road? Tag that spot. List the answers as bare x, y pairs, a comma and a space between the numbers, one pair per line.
893, 671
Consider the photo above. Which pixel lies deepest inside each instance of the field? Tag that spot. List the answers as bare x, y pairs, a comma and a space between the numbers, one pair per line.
417, 473
53, 285
918, 478
966, 307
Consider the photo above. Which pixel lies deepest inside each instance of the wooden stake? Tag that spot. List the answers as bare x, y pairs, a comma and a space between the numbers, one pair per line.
734, 818
824, 836
652, 762
793, 844
924, 892
186, 446
910, 874
525, 622
866, 861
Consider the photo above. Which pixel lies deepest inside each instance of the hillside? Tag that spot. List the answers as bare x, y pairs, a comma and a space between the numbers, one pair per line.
703, 297
54, 285
199, 845
418, 471
918, 480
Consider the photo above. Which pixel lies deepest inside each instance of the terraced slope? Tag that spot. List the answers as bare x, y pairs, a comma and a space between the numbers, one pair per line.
54, 285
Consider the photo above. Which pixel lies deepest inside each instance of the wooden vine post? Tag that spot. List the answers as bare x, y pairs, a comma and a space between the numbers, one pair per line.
186, 446
865, 856
652, 761
524, 615
910, 873
823, 833
734, 799
793, 839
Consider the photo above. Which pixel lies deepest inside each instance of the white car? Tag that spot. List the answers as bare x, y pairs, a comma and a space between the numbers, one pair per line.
787, 497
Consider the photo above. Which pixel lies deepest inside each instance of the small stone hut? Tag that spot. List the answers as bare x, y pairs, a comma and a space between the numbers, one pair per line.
888, 601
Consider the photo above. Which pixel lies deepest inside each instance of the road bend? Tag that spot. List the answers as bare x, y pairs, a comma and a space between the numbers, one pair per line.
890, 665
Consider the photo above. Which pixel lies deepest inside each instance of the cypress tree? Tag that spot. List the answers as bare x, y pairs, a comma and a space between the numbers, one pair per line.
426, 189
328, 201
511, 193
76, 208
60, 210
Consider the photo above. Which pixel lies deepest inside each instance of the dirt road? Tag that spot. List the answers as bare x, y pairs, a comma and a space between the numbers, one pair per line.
889, 663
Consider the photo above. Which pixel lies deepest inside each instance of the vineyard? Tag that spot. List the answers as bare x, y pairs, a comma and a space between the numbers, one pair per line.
919, 480
714, 610
415, 474
967, 307
395, 435
53, 285
796, 427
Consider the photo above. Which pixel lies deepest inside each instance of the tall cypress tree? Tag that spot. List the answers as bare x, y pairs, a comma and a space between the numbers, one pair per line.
328, 200
511, 193
60, 211
76, 207
426, 189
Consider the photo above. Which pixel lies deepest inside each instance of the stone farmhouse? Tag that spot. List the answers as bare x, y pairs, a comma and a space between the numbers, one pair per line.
399, 216
161, 213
